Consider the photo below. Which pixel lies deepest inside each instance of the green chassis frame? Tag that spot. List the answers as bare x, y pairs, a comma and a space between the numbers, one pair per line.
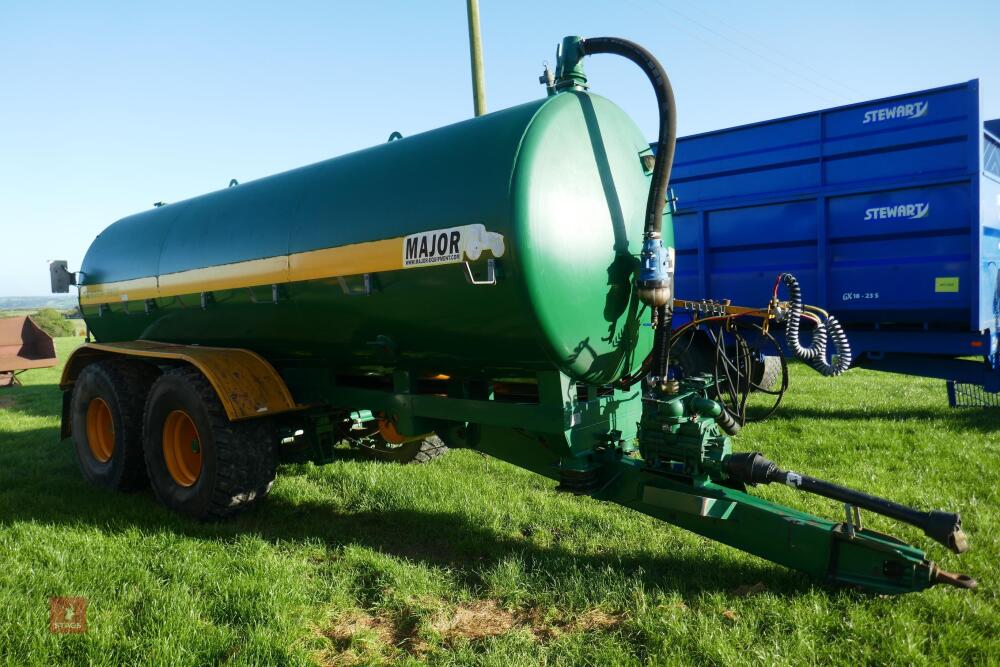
591, 445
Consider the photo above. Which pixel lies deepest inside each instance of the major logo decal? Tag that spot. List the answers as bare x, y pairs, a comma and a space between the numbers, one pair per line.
448, 246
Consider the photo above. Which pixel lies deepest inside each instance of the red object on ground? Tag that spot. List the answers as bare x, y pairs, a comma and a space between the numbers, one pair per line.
23, 345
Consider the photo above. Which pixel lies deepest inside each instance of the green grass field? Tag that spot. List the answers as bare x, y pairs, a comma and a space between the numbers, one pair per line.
468, 560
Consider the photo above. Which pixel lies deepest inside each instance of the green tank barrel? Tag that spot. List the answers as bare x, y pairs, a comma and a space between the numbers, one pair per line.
499, 246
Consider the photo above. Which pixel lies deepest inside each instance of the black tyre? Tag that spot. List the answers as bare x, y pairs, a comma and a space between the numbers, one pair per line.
694, 354
766, 373
416, 451
106, 417
199, 463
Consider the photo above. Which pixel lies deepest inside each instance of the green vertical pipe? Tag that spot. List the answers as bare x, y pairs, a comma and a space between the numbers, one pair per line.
476, 55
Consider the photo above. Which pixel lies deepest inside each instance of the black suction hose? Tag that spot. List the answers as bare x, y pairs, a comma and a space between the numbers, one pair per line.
655, 281
667, 139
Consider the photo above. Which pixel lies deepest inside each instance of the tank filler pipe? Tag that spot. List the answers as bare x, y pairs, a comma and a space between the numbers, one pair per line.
656, 276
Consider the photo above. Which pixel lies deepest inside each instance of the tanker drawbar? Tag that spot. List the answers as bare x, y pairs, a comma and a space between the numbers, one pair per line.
506, 284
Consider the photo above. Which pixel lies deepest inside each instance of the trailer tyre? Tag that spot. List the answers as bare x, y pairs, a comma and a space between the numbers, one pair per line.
199, 463
416, 451
766, 373
694, 354
106, 417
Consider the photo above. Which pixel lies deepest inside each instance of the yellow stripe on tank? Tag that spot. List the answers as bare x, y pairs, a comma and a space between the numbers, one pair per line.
349, 260
250, 273
125, 290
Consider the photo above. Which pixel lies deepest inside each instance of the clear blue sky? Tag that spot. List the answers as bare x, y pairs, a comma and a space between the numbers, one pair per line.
106, 107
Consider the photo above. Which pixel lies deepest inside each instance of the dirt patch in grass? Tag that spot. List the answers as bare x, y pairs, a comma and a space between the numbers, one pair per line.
6, 402
751, 589
352, 635
357, 637
486, 618
597, 620
349, 626
476, 620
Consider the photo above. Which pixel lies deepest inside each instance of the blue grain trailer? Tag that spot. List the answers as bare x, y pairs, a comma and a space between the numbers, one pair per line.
887, 211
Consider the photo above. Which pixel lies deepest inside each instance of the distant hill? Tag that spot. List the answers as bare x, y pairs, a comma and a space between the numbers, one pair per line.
57, 301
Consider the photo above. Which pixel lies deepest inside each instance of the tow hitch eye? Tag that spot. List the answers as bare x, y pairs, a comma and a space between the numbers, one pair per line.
952, 579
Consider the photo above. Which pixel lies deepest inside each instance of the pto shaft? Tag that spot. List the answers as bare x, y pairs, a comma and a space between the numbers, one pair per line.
944, 527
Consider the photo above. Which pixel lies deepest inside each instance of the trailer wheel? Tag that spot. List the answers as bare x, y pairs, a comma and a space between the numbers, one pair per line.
106, 417
766, 373
199, 463
694, 354
415, 451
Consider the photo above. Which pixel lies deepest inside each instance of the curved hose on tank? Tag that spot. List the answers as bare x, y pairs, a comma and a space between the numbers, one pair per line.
667, 139
665, 148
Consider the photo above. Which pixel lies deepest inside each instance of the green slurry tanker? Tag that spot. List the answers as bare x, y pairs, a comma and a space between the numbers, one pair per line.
503, 284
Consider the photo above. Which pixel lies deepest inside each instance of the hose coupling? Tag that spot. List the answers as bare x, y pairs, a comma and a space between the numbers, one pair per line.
751, 468
655, 281
569, 73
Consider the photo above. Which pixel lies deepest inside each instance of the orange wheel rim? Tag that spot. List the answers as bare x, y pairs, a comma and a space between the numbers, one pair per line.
181, 448
100, 430
389, 433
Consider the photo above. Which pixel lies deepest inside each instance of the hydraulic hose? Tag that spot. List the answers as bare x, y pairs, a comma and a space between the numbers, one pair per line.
663, 341
815, 353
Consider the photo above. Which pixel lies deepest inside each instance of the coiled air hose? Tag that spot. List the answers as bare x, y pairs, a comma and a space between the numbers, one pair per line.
655, 280
815, 354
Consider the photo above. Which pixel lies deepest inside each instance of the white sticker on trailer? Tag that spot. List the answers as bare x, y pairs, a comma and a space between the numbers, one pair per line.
449, 246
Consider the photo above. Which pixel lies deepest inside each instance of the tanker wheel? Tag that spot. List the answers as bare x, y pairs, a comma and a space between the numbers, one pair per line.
106, 417
415, 451
694, 354
200, 464
766, 374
